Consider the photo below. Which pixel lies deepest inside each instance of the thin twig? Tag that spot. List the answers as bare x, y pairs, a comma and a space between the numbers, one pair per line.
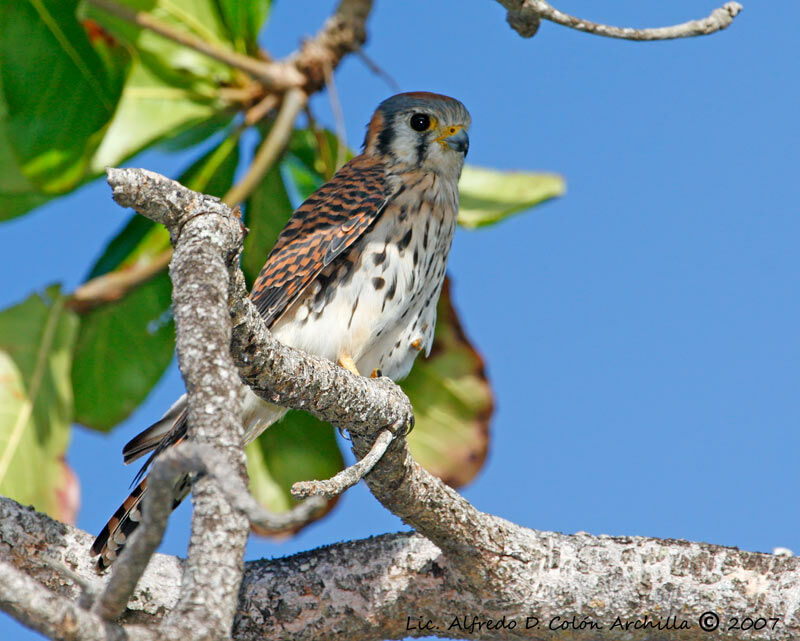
524, 17
270, 150
338, 119
377, 69
241, 95
205, 459
117, 284
273, 75
323, 148
146, 538
343, 32
196, 459
182, 459
259, 111
349, 476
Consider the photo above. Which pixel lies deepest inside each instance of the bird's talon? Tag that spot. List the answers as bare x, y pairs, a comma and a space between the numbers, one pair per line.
376, 373
346, 361
405, 430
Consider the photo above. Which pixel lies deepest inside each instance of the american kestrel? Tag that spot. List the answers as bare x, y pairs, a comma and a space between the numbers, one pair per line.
354, 276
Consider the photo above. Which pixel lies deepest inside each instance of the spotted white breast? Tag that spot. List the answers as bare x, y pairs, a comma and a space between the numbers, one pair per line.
378, 302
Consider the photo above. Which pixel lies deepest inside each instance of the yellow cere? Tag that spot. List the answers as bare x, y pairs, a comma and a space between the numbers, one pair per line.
452, 130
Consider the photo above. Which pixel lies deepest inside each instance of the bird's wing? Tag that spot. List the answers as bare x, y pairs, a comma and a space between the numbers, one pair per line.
323, 227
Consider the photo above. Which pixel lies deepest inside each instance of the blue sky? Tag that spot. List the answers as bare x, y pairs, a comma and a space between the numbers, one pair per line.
641, 333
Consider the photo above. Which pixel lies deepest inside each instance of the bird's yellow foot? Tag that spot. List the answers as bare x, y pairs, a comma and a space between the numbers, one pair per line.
346, 361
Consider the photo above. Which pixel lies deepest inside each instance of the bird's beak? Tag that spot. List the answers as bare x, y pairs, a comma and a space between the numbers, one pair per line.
455, 137
458, 141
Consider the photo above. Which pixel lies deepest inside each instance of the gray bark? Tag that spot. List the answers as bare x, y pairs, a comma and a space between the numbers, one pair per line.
206, 254
368, 589
463, 574
207, 241
525, 16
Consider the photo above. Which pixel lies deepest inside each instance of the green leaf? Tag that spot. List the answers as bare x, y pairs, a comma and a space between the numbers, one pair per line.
171, 89
127, 246
124, 346
452, 402
152, 109
197, 134
311, 160
213, 173
298, 448
142, 240
17, 193
488, 196
36, 340
305, 181
199, 18
122, 350
58, 94
318, 151
244, 19
114, 56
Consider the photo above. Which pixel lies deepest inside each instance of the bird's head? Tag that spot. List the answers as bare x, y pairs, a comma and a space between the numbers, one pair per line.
420, 130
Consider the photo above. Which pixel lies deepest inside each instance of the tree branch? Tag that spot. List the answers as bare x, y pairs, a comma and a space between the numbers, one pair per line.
470, 568
184, 458
484, 554
114, 285
136, 555
349, 476
55, 616
272, 147
207, 241
273, 75
344, 32
376, 588
524, 17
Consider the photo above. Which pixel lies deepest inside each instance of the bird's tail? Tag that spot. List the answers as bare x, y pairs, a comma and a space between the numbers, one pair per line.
167, 432
115, 533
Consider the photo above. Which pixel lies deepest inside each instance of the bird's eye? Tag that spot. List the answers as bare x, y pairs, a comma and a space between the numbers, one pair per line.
420, 122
